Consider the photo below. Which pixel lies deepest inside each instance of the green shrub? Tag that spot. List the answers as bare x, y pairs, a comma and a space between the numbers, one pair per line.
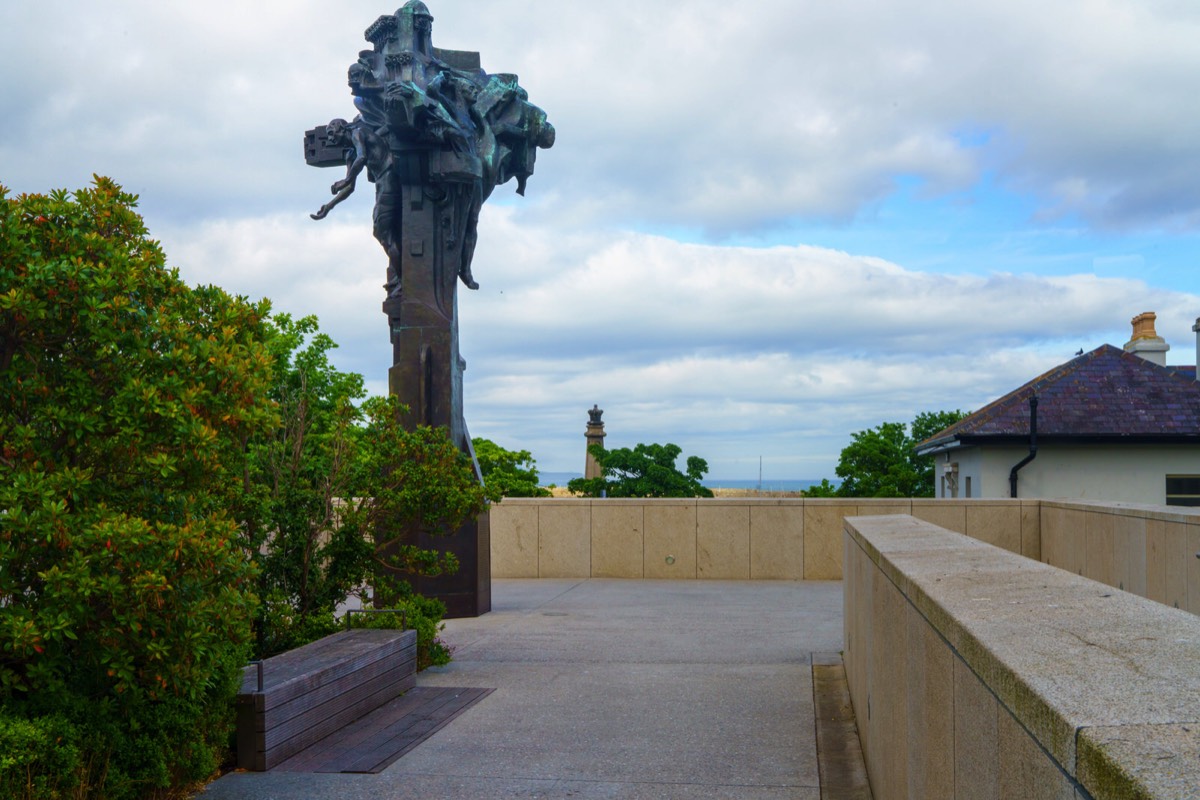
39, 758
340, 493
422, 614
511, 473
647, 470
126, 403
284, 627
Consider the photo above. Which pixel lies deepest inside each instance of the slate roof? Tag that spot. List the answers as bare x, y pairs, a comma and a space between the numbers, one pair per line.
1105, 395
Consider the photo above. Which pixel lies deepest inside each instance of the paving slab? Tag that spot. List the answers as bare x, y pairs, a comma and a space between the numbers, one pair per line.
615, 689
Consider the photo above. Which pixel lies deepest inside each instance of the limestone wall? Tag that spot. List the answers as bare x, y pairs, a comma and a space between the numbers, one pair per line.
977, 673
722, 538
1148, 550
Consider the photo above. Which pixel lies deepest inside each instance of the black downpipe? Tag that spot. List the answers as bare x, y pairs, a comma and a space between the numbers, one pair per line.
1012, 476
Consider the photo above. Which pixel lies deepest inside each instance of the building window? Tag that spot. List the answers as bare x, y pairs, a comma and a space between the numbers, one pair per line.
1183, 490
967, 485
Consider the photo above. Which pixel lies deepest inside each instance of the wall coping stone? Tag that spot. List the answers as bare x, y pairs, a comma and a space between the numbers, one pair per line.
1143, 510
1107, 682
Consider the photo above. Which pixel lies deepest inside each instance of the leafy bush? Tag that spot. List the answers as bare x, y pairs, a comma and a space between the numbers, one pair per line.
284, 628
414, 482
338, 493
298, 477
511, 473
127, 400
156, 443
648, 470
882, 461
39, 758
422, 614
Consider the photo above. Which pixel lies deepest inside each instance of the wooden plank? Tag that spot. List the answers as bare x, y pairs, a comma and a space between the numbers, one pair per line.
314, 656
405, 734
343, 743
275, 746
397, 735
384, 670
317, 689
285, 740
307, 668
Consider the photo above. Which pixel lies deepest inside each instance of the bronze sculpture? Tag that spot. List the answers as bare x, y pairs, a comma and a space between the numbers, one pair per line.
435, 135
432, 118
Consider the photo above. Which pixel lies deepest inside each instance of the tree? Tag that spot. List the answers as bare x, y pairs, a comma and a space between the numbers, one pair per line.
413, 482
882, 462
822, 489
511, 473
648, 470
126, 403
297, 476
877, 463
337, 493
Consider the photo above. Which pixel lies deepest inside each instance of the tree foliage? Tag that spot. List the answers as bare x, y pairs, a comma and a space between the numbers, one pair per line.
127, 400
166, 455
421, 484
511, 473
339, 492
299, 473
648, 470
882, 461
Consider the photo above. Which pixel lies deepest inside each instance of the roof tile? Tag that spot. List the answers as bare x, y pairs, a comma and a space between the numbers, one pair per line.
1107, 392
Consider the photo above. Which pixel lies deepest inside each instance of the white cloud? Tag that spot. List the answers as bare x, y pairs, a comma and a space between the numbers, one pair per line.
707, 114
728, 352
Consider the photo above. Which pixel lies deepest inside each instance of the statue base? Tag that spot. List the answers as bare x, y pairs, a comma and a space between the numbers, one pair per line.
468, 592
427, 377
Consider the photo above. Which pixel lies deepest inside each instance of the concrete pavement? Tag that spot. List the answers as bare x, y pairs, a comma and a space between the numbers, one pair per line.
615, 689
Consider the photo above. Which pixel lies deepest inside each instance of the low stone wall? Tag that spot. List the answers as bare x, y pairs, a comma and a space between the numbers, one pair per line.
975, 672
720, 538
1147, 550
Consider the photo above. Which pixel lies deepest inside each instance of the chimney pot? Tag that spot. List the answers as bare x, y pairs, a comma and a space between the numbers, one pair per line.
1146, 342
1143, 326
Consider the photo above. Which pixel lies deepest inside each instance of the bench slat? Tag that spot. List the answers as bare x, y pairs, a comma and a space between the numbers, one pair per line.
277, 745
278, 714
313, 691
297, 672
320, 756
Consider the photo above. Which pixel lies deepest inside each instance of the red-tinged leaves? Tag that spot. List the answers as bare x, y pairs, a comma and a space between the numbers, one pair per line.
121, 579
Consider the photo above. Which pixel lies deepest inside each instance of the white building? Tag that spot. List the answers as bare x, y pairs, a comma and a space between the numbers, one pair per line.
1112, 424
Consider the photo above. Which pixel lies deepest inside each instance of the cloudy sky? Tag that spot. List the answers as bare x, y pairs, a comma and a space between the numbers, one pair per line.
764, 225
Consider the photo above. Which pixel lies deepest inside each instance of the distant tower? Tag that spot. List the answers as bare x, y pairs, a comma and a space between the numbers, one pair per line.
595, 435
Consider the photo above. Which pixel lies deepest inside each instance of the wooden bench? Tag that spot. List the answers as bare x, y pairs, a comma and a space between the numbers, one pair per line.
312, 691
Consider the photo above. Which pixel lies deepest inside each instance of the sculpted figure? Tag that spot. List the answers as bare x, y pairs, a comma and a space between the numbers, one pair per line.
362, 147
456, 131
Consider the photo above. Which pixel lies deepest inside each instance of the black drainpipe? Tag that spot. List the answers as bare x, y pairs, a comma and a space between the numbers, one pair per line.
1012, 476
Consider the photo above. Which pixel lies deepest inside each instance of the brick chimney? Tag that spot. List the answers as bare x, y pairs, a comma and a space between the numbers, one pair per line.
1146, 342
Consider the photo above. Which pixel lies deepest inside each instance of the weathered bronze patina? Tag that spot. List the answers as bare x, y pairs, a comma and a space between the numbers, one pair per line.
435, 134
